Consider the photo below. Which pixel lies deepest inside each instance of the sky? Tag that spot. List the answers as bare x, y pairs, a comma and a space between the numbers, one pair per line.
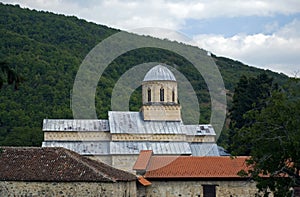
260, 33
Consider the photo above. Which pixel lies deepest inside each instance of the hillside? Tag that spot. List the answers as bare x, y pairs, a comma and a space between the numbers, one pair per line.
47, 50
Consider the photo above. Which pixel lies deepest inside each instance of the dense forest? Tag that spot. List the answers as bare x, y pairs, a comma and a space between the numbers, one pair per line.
46, 50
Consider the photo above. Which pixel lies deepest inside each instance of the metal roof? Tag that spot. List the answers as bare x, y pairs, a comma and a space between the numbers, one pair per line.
122, 147
132, 123
202, 129
204, 149
126, 122
159, 73
133, 147
223, 152
75, 125
83, 148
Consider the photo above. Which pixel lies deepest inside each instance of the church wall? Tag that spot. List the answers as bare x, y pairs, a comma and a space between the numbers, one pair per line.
124, 162
161, 112
76, 136
234, 188
200, 138
59, 189
148, 137
102, 158
155, 87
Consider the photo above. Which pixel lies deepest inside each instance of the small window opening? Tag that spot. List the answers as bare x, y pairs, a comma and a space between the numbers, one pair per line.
149, 95
173, 96
162, 94
209, 190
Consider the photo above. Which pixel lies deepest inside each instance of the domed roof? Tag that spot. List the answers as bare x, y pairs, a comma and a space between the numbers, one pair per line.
159, 73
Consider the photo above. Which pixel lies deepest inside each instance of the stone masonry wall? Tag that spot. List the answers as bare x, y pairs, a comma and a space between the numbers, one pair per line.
124, 162
161, 113
195, 189
49, 189
155, 86
101, 158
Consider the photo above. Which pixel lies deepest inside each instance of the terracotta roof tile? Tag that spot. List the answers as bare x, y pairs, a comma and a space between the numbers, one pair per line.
143, 160
55, 164
144, 181
195, 167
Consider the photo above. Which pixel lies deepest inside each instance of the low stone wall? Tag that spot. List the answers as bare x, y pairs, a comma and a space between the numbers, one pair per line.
194, 188
60, 189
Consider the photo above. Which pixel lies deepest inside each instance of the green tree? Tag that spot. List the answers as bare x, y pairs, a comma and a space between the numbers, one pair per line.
12, 77
250, 93
275, 143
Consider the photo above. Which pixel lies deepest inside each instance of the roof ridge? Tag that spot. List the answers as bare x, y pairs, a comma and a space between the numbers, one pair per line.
71, 154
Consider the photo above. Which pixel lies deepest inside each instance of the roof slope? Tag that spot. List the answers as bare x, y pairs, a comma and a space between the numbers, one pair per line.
134, 147
75, 125
204, 149
194, 167
143, 160
129, 122
132, 123
159, 73
55, 164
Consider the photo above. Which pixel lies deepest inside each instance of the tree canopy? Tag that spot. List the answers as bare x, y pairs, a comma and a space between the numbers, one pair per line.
275, 142
250, 93
12, 77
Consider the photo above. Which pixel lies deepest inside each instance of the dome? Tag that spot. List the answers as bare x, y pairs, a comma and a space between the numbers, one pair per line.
159, 73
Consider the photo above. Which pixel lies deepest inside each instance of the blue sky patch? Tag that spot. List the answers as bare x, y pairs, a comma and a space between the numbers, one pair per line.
229, 27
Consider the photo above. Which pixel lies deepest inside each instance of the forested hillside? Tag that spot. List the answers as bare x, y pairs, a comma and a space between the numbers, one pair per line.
47, 50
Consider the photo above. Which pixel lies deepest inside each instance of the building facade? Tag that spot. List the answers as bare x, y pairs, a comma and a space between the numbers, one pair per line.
192, 176
157, 126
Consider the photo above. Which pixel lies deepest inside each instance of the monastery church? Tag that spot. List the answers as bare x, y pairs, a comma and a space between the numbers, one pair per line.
119, 140
149, 153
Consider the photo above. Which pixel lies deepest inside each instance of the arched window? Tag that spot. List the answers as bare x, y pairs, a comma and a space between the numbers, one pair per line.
173, 96
162, 94
149, 95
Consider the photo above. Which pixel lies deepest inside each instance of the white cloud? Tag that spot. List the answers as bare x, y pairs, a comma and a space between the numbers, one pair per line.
160, 13
237, 8
271, 27
278, 52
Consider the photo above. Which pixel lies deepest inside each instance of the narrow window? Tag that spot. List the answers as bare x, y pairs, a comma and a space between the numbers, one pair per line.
209, 190
149, 95
162, 92
173, 96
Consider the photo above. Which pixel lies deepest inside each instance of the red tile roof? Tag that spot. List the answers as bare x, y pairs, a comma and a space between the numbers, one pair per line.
195, 167
143, 181
55, 164
143, 160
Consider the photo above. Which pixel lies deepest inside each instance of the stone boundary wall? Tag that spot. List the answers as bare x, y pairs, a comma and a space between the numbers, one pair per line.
60, 189
194, 188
